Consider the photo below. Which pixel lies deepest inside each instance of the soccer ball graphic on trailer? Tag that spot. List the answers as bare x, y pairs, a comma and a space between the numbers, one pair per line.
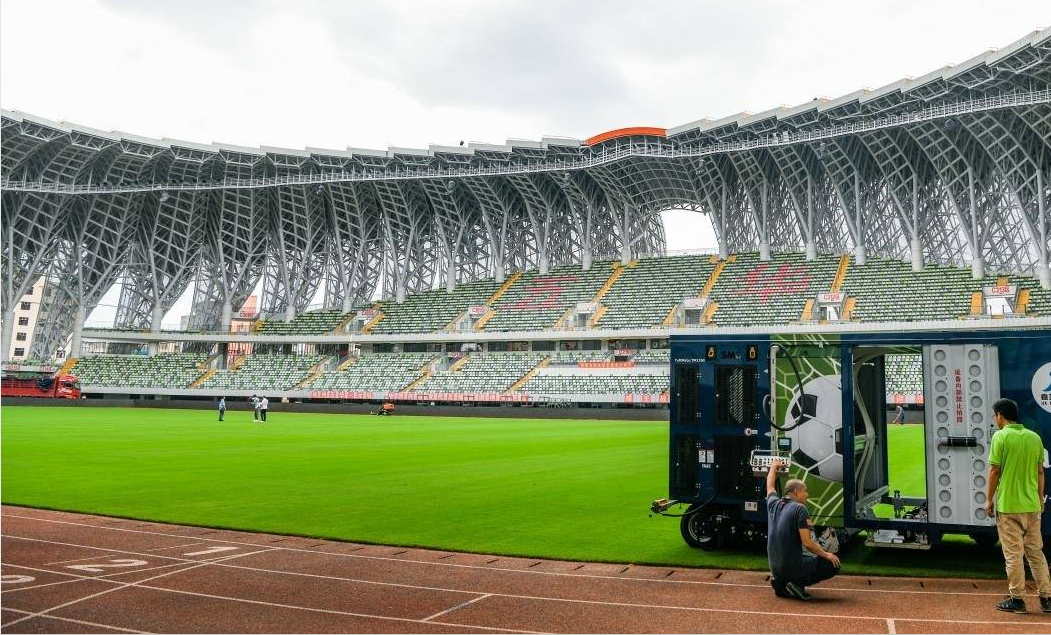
817, 444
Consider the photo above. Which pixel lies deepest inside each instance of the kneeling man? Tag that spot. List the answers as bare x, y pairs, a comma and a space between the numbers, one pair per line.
788, 533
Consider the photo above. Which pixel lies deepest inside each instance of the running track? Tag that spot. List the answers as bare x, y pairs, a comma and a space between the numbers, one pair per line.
79, 573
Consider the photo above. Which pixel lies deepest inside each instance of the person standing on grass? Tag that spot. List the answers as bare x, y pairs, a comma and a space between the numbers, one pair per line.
899, 416
264, 405
222, 407
1016, 479
788, 534
255, 407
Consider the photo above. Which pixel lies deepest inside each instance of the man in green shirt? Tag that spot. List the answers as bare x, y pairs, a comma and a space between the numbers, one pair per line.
1016, 477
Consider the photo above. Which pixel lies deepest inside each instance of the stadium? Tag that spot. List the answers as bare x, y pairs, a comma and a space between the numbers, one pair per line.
518, 305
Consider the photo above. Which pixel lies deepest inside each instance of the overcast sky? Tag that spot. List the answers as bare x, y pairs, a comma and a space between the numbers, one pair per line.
411, 73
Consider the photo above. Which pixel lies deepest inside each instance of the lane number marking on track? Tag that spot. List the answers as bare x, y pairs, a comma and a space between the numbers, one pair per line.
16, 579
116, 563
212, 550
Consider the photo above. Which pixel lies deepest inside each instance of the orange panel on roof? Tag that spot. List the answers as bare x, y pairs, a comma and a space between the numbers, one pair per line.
627, 132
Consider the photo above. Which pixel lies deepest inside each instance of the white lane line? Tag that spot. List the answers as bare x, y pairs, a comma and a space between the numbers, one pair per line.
594, 576
192, 544
211, 550
73, 621
457, 607
221, 563
73, 559
122, 586
288, 606
890, 627
74, 577
601, 603
330, 611
112, 563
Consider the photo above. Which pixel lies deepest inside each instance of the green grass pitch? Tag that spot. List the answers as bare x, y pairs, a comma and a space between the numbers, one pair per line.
543, 488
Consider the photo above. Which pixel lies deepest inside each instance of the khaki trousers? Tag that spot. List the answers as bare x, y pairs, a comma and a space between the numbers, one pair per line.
1020, 536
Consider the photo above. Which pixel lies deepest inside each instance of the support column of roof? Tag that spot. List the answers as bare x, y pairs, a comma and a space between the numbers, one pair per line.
235, 244
297, 256
355, 247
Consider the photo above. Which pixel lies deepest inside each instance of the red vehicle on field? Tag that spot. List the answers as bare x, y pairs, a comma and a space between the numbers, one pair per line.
39, 384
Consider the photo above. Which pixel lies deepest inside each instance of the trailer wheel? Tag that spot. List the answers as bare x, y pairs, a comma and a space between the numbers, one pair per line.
984, 541
700, 529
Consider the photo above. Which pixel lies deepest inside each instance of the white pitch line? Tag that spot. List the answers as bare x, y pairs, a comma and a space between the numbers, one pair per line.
890, 627
81, 622
529, 571
549, 599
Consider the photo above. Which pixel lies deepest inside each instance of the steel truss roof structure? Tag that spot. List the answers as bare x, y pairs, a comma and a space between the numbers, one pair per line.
951, 166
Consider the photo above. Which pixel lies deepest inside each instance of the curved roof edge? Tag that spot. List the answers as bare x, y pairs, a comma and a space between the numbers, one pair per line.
626, 132
1039, 37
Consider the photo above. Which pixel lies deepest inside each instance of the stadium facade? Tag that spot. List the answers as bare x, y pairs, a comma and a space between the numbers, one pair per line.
949, 167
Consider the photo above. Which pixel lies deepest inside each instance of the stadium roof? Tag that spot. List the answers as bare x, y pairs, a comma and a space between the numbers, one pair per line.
1020, 57
952, 165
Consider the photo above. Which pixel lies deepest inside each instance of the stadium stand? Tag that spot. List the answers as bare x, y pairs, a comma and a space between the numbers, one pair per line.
264, 372
890, 291
308, 323
536, 302
375, 372
166, 370
659, 356
482, 372
572, 358
432, 310
649, 289
904, 374
752, 292
598, 382
744, 290
1039, 298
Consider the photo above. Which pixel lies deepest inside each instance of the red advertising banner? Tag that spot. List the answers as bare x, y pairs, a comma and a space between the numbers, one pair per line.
605, 364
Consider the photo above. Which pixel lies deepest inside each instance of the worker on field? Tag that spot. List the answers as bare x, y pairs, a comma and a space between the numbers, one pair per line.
255, 407
899, 416
789, 533
264, 405
222, 407
1016, 479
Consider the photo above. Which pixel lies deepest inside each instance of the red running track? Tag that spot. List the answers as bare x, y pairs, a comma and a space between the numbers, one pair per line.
73, 573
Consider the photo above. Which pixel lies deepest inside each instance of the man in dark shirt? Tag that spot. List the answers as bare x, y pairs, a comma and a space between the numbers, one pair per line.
788, 532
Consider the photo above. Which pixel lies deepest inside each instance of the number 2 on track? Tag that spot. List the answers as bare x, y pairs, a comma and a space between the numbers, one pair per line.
110, 564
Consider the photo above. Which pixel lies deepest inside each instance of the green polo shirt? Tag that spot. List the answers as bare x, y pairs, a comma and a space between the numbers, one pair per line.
1017, 451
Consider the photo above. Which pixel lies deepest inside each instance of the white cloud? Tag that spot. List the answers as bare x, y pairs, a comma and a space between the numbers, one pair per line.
410, 73
415, 72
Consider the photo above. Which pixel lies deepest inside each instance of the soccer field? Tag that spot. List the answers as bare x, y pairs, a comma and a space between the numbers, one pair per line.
544, 488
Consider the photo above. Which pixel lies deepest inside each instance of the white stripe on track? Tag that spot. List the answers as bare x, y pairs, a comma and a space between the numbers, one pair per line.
81, 622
